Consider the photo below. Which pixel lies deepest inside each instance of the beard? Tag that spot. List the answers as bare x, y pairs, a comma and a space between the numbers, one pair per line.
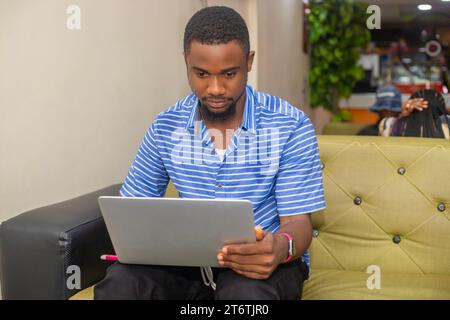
218, 116
224, 116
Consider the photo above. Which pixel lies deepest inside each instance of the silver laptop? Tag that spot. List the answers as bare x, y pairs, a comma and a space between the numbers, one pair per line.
177, 232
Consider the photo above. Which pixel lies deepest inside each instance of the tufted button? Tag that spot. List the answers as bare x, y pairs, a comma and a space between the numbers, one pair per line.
441, 207
315, 233
357, 200
401, 171
322, 165
396, 239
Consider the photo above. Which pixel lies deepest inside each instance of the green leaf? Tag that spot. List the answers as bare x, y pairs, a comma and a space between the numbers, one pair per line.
337, 33
323, 16
333, 78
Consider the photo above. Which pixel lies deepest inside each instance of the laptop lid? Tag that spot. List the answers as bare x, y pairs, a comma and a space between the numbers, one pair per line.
175, 231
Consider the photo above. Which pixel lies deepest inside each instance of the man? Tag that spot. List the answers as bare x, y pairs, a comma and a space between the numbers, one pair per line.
227, 140
424, 115
388, 104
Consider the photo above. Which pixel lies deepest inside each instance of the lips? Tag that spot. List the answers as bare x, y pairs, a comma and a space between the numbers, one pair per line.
217, 104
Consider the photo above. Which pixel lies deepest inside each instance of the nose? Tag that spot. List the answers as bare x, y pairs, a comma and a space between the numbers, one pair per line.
215, 87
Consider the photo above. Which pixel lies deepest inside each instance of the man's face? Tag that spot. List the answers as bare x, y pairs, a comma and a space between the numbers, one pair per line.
217, 74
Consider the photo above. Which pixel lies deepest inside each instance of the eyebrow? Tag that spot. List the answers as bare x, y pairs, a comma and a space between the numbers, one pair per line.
221, 72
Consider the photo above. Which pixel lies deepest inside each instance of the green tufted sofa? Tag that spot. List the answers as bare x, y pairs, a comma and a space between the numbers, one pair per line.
387, 210
385, 233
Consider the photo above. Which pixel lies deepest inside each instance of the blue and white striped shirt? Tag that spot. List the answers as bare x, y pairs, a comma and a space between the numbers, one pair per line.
272, 160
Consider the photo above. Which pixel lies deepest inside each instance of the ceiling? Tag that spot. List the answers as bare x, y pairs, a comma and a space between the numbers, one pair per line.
405, 11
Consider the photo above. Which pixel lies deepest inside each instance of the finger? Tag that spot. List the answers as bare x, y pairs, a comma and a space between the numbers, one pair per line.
418, 107
259, 247
259, 233
243, 249
247, 268
263, 260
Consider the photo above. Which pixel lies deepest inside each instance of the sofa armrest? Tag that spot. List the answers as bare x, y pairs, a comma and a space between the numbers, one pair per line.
42, 249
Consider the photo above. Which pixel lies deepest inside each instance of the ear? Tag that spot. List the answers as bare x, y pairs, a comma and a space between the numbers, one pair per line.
250, 57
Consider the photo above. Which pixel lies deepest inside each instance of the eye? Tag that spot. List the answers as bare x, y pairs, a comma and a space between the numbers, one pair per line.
230, 74
201, 74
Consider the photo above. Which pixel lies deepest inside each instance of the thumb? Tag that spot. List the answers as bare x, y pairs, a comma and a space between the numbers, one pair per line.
259, 233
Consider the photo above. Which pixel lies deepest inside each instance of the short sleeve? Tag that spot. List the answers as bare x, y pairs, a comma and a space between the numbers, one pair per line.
147, 176
299, 182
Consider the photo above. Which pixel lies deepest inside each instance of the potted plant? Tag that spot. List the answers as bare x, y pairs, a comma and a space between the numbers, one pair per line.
337, 35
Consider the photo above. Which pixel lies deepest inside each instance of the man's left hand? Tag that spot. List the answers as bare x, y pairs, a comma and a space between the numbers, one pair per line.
255, 260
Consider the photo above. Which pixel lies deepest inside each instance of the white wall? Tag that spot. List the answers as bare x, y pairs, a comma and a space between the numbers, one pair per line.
74, 105
282, 65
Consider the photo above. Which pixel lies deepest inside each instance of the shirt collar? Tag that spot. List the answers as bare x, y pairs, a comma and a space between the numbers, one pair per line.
249, 117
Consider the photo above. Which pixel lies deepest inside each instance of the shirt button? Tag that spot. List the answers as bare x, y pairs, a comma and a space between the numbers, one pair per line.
220, 185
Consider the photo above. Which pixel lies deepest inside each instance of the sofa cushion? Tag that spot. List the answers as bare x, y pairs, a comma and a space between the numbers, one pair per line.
387, 205
337, 284
86, 294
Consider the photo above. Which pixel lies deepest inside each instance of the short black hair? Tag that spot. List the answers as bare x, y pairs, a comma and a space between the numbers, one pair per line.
216, 25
